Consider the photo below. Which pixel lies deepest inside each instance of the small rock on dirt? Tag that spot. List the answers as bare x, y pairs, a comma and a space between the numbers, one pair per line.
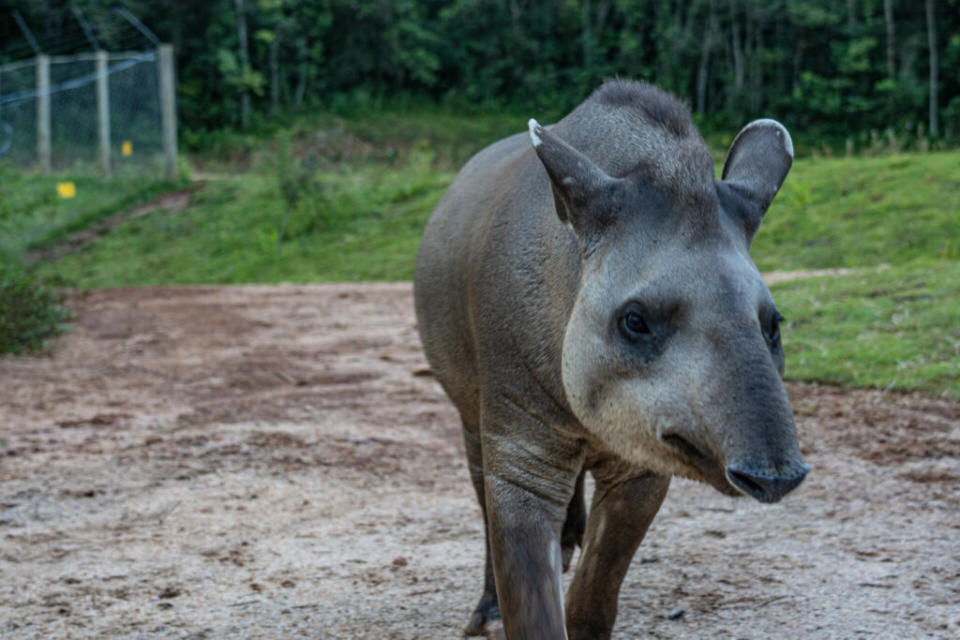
171, 591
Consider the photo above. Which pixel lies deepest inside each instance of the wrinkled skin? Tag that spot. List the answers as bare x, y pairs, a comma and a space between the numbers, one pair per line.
586, 298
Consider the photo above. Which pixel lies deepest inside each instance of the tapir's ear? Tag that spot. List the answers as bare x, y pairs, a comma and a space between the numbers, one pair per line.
756, 165
581, 189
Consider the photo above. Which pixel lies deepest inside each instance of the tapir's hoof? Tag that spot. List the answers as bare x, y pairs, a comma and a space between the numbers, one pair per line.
495, 630
485, 619
475, 626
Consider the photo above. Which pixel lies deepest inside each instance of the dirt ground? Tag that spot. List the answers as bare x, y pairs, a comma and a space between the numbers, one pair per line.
277, 462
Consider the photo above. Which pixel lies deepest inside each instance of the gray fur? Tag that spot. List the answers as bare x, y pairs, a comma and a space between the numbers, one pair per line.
545, 244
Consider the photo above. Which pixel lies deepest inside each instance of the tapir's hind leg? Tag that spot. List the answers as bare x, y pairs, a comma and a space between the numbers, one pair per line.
488, 610
624, 505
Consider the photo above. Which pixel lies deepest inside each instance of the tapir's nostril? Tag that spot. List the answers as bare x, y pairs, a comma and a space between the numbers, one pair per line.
766, 487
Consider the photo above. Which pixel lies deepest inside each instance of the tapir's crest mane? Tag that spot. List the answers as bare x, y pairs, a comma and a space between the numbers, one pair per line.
628, 127
657, 106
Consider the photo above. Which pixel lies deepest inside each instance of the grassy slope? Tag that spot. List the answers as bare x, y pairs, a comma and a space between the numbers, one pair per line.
362, 218
846, 212
32, 214
896, 328
858, 212
361, 226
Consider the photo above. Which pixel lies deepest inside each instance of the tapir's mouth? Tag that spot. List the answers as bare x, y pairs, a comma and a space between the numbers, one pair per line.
687, 450
704, 467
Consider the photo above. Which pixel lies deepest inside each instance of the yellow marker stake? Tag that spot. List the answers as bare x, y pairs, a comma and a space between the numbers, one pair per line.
66, 189
126, 148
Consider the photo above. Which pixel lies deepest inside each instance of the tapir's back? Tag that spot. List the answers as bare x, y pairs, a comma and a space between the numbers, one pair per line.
448, 263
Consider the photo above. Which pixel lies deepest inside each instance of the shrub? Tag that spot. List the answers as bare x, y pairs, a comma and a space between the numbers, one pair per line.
30, 311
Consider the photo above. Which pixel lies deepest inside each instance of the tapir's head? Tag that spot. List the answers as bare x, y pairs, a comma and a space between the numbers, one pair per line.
672, 354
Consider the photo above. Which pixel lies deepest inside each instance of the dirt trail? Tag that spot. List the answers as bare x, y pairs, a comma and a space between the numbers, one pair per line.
276, 462
172, 202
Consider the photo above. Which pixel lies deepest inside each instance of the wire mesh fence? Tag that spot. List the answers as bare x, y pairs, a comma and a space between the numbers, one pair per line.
88, 113
18, 113
135, 116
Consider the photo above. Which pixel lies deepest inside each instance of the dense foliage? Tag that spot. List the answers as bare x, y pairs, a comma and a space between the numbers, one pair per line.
823, 66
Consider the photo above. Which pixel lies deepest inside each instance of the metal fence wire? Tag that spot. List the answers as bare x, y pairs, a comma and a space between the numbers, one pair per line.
88, 113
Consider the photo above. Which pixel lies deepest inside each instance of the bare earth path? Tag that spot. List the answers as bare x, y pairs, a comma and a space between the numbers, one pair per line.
277, 462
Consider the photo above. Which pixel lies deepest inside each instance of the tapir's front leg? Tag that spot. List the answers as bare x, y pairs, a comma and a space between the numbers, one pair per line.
624, 504
529, 482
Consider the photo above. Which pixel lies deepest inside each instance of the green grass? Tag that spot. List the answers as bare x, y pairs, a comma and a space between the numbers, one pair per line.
32, 214
859, 212
364, 221
362, 224
896, 328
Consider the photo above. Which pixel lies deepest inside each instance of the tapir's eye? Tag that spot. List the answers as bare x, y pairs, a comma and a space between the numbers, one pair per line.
633, 325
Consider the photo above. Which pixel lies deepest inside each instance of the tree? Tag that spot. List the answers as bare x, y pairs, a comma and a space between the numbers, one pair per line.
824, 67
891, 62
932, 46
244, 50
706, 48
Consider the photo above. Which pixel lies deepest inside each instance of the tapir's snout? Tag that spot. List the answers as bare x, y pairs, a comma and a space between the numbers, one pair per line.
746, 475
765, 485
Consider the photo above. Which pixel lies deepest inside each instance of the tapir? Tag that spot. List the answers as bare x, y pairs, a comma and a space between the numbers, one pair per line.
586, 298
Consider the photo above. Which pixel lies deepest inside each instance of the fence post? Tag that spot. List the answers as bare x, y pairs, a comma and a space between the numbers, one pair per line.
168, 108
43, 112
103, 110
